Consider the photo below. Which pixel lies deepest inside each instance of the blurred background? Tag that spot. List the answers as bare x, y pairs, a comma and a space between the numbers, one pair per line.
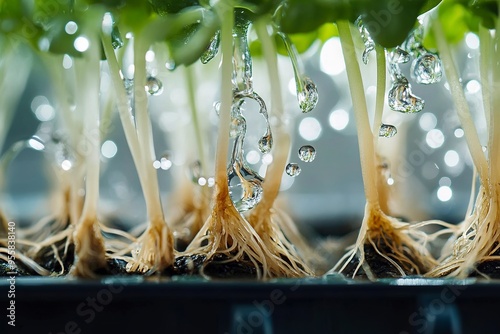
429, 167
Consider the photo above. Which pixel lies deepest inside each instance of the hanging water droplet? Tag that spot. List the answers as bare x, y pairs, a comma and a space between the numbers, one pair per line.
402, 99
387, 131
399, 56
367, 40
307, 95
307, 153
154, 86
245, 186
366, 53
266, 143
427, 69
212, 50
293, 169
170, 65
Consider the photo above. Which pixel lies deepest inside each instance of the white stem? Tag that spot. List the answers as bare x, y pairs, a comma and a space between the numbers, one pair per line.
226, 16
273, 176
194, 116
463, 111
365, 138
124, 110
88, 84
484, 70
495, 111
380, 98
144, 129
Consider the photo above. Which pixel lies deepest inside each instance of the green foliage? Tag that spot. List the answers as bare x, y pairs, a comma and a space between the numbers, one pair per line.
163, 7
458, 17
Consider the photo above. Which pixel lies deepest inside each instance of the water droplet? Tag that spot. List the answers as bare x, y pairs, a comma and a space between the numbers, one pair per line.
307, 92
266, 143
170, 65
367, 40
293, 169
307, 95
399, 56
245, 186
307, 153
212, 50
402, 99
154, 86
427, 69
387, 131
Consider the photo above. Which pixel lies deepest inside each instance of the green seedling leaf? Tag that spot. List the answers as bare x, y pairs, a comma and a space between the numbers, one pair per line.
390, 21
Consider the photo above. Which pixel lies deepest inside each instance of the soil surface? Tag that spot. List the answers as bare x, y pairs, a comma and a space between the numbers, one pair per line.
379, 266
489, 268
215, 267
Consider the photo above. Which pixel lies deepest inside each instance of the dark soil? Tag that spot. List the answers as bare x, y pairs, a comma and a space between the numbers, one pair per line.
216, 267
380, 267
490, 268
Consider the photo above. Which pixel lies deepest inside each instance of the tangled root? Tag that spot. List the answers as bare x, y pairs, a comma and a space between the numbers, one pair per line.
90, 252
385, 249
153, 250
476, 241
226, 234
280, 237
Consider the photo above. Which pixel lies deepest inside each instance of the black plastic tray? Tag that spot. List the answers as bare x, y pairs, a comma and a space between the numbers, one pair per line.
192, 305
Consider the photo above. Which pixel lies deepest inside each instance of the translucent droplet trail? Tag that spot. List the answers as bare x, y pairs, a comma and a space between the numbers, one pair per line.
154, 86
212, 49
307, 153
293, 169
402, 99
242, 61
307, 92
367, 40
387, 131
245, 184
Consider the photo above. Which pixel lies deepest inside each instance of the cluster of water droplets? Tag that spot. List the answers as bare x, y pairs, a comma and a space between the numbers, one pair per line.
426, 67
400, 96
